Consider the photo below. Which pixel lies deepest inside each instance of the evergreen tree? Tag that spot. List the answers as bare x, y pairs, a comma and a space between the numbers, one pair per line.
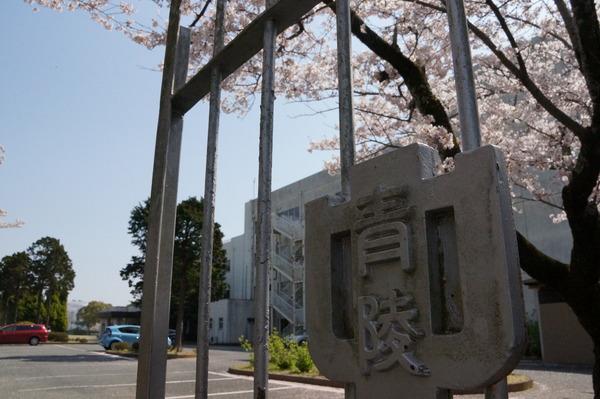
186, 261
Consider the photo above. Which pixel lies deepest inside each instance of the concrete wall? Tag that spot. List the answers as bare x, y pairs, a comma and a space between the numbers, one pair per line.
563, 338
231, 318
239, 276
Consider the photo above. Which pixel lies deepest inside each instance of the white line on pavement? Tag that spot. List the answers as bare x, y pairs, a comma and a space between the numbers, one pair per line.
44, 377
114, 385
230, 393
287, 383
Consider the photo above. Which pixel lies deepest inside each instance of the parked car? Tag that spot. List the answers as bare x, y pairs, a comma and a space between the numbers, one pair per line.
31, 334
121, 333
298, 338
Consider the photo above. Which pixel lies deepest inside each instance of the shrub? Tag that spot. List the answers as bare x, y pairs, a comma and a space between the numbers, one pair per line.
533, 348
58, 336
247, 347
282, 351
81, 340
304, 361
120, 346
135, 347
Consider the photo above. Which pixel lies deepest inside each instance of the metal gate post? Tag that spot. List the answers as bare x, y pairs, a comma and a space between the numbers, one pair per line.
262, 260
210, 182
467, 111
463, 75
346, 114
151, 374
346, 109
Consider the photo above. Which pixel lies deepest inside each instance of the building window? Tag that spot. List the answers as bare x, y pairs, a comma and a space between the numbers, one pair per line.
291, 214
210, 323
220, 323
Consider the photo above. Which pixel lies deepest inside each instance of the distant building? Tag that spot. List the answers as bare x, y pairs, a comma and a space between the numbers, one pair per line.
233, 317
72, 309
119, 315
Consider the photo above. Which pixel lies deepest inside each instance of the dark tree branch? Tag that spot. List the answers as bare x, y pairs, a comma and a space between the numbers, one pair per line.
541, 267
588, 31
508, 34
200, 14
565, 14
414, 76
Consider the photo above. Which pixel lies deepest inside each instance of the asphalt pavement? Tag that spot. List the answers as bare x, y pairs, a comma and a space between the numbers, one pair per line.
54, 371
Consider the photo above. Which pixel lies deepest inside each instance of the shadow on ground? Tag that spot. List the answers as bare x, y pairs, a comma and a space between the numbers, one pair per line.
559, 368
65, 358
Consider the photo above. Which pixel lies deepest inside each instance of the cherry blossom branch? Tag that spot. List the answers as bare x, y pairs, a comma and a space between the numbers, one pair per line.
414, 76
577, 129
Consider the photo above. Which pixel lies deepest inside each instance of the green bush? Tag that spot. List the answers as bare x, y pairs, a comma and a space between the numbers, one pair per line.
135, 347
247, 347
533, 348
81, 340
284, 354
58, 336
78, 331
282, 351
120, 346
304, 362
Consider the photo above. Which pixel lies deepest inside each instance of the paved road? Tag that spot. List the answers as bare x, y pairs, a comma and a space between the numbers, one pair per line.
80, 371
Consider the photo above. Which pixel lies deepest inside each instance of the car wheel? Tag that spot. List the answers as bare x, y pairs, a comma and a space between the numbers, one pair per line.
34, 341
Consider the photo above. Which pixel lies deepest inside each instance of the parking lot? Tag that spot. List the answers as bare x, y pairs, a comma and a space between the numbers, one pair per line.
55, 371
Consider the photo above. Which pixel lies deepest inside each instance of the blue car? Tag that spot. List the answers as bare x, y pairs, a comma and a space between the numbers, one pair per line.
122, 333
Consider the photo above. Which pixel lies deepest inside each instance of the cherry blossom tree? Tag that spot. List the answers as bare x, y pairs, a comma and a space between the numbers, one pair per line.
537, 66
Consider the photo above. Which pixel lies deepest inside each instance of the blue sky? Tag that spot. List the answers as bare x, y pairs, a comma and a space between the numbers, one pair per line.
78, 106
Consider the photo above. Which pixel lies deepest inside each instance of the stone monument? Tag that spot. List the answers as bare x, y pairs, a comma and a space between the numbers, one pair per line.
413, 286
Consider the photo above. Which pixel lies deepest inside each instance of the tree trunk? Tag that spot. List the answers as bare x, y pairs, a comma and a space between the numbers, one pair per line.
38, 313
180, 312
17, 300
48, 306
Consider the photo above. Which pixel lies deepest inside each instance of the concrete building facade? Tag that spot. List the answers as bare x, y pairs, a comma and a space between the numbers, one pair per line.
287, 259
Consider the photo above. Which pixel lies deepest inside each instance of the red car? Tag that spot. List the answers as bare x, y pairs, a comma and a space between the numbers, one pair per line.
31, 334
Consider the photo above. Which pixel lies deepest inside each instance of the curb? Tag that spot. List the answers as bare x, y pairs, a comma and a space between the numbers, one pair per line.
322, 381
512, 387
68, 343
135, 355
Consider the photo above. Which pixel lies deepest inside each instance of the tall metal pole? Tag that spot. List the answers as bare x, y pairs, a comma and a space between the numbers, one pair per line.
151, 373
463, 75
346, 114
210, 182
262, 260
467, 111
346, 110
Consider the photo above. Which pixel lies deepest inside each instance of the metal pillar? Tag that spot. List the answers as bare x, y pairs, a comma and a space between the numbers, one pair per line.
262, 260
498, 390
463, 75
151, 375
210, 182
346, 114
346, 109
467, 111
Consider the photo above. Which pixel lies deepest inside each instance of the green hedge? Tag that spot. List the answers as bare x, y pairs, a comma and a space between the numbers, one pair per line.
58, 336
120, 346
284, 354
